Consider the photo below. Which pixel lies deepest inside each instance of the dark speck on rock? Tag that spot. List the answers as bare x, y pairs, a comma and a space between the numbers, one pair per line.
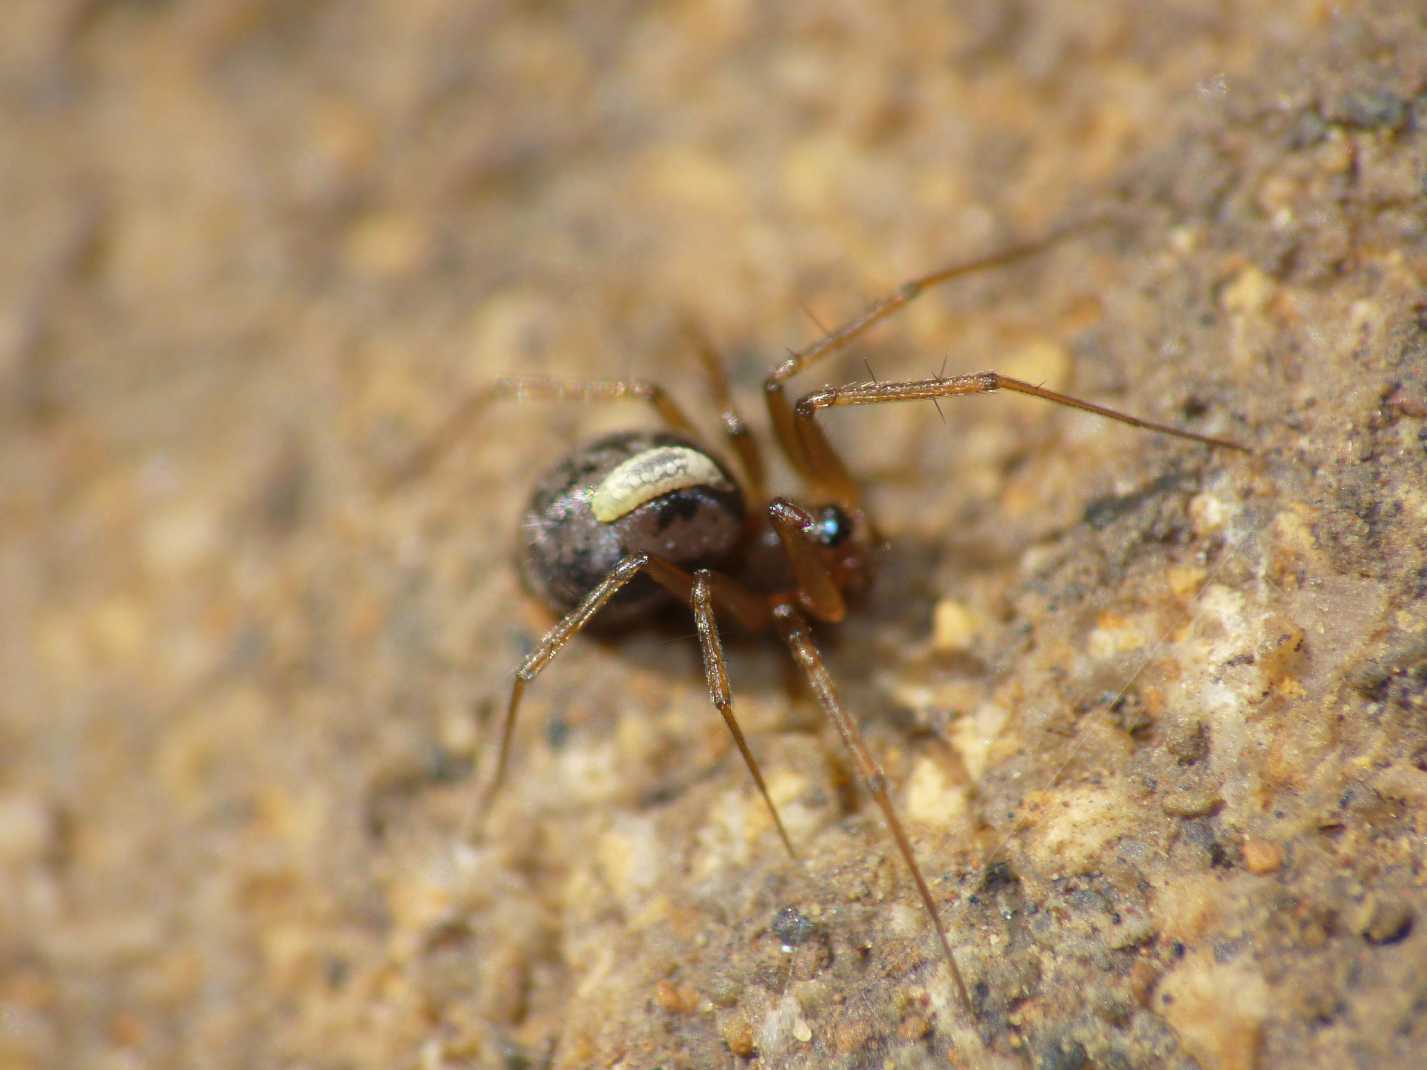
1387, 922
1372, 108
998, 875
792, 927
1062, 1054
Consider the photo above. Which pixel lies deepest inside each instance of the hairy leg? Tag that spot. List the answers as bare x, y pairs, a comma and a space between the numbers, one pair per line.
793, 628
808, 451
466, 416
701, 591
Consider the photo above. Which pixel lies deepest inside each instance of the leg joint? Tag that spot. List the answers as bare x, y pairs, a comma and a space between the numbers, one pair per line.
809, 403
628, 566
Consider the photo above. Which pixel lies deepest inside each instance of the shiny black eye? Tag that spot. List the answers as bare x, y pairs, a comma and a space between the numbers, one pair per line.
831, 526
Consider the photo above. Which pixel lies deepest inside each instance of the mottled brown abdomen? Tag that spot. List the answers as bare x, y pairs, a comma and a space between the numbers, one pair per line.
660, 494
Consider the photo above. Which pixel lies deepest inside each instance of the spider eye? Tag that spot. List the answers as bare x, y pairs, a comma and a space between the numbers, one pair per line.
832, 526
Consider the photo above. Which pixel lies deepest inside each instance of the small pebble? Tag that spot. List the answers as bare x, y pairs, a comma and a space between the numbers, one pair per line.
1191, 801
1262, 856
954, 626
676, 999
738, 1035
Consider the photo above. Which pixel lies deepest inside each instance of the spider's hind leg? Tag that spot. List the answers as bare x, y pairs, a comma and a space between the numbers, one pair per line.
735, 429
466, 416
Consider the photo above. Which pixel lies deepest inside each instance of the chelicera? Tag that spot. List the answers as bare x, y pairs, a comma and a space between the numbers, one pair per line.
635, 519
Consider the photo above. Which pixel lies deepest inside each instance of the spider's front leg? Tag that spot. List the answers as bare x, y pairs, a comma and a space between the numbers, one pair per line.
955, 386
803, 444
819, 593
793, 627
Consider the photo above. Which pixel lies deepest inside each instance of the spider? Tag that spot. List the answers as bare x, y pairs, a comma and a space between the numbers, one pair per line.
633, 519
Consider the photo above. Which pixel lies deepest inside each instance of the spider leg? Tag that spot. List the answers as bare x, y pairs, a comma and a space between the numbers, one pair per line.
818, 590
793, 627
740, 438
875, 393
467, 412
701, 591
807, 450
716, 676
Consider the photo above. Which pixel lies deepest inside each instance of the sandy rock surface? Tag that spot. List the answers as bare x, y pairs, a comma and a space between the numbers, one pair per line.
1155, 714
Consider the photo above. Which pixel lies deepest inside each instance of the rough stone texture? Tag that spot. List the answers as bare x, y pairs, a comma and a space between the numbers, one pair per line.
1155, 715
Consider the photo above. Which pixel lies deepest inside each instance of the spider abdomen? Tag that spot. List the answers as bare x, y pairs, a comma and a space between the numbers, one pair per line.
633, 492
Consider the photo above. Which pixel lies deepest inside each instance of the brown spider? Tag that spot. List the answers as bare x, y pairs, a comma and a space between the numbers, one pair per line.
634, 518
